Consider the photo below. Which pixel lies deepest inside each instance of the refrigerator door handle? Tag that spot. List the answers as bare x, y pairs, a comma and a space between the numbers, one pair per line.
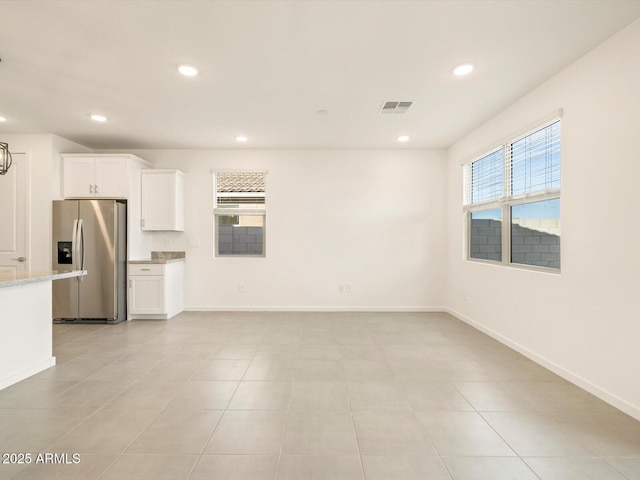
74, 239
81, 246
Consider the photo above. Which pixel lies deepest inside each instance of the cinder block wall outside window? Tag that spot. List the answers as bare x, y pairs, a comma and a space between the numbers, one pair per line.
235, 239
528, 245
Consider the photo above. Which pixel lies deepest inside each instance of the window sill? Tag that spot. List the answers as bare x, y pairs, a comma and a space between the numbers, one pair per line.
515, 266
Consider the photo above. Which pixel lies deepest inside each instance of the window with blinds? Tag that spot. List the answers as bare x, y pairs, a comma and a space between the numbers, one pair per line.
240, 213
518, 186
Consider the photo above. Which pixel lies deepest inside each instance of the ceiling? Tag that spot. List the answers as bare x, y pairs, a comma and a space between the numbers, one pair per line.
268, 67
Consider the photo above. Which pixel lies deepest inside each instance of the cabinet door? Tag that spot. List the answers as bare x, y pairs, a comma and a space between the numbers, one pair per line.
111, 177
158, 201
78, 177
174, 278
147, 295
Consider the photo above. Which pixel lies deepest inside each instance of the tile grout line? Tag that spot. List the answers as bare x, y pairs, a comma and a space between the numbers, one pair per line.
286, 415
155, 416
414, 412
353, 422
616, 469
253, 357
100, 408
224, 410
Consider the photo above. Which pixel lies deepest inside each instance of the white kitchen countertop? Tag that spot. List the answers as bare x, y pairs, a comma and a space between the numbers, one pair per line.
12, 279
161, 257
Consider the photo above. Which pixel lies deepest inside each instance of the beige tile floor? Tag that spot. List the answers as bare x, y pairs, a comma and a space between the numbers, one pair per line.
294, 396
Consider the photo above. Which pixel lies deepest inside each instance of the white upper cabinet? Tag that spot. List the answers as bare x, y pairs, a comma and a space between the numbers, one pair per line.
95, 177
111, 177
78, 177
162, 200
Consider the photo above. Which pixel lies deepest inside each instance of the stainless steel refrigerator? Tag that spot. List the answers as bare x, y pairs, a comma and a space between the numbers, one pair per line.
90, 235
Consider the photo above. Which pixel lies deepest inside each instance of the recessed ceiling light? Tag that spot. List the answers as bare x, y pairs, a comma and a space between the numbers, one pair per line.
98, 118
403, 138
464, 69
2, 119
241, 139
188, 70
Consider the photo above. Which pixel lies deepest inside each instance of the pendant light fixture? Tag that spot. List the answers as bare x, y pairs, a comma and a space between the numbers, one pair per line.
5, 158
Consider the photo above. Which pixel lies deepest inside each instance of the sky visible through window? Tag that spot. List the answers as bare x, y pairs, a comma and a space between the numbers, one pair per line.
545, 210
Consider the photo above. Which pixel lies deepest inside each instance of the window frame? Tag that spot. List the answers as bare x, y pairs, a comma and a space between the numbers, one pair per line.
224, 211
507, 200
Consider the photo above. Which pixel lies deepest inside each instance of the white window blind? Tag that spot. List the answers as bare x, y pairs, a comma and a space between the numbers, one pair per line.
484, 178
534, 161
245, 190
521, 167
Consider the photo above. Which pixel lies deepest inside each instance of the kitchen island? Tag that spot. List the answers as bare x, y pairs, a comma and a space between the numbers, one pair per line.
26, 344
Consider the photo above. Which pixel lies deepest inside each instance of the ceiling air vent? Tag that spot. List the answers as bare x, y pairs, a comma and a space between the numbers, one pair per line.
395, 107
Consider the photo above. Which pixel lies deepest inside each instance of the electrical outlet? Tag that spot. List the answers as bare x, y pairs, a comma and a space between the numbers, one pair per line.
348, 288
241, 288
340, 288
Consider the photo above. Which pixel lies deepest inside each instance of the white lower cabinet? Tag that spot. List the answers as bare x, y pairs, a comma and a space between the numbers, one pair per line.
147, 294
156, 290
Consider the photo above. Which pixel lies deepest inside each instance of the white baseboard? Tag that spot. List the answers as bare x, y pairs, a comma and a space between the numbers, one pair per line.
26, 373
281, 308
602, 394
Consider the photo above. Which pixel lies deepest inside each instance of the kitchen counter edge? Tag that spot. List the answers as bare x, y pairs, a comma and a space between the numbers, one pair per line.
161, 257
156, 260
13, 279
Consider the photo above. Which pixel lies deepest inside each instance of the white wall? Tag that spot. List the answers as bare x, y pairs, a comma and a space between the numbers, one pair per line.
584, 323
43, 170
373, 219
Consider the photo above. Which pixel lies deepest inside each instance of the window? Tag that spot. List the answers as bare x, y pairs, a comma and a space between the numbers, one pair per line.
240, 213
517, 185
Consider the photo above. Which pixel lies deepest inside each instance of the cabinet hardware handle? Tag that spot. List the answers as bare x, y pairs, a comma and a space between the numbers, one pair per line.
96, 188
90, 188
